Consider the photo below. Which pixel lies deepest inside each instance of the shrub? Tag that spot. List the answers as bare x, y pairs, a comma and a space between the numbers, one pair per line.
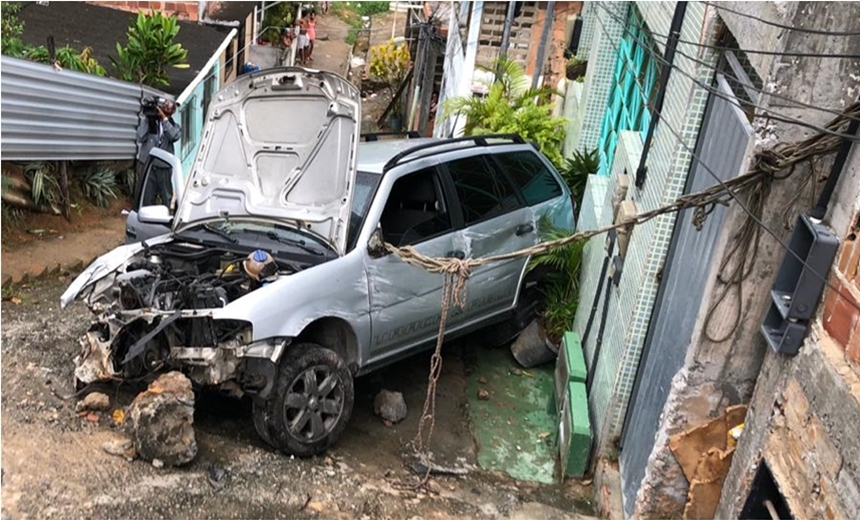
390, 63
99, 185
150, 50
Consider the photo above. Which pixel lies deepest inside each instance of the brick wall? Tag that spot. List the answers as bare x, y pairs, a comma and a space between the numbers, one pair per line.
182, 10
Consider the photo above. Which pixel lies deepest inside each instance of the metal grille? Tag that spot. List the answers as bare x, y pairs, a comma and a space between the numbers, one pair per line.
63, 115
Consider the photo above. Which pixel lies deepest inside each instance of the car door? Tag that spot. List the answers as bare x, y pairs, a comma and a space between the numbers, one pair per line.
496, 220
405, 301
144, 222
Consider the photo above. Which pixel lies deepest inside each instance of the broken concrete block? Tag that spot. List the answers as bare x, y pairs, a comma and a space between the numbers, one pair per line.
390, 406
95, 401
161, 421
483, 395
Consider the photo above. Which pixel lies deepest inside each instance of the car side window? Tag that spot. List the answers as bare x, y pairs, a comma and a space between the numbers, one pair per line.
156, 186
484, 192
534, 180
415, 210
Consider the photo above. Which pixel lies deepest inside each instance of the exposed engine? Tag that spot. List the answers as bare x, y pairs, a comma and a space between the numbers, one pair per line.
155, 312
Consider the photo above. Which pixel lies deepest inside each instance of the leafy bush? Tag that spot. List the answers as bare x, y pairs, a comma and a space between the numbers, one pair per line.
150, 50
561, 285
390, 63
68, 58
575, 69
576, 171
99, 185
45, 189
511, 106
370, 8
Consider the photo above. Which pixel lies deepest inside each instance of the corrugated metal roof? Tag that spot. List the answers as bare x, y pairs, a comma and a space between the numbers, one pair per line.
48, 114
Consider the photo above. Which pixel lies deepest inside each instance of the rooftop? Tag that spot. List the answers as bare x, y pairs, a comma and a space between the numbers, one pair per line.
80, 25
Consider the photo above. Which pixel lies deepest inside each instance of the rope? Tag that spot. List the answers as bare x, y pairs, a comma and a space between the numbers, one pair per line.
735, 268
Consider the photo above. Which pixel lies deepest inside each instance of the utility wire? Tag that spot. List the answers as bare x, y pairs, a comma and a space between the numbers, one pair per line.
729, 191
761, 91
781, 26
765, 53
769, 113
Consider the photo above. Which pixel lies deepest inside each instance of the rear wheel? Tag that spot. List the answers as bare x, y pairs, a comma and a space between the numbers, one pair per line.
311, 403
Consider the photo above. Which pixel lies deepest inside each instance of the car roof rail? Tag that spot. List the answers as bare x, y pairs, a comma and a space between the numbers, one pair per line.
374, 136
476, 140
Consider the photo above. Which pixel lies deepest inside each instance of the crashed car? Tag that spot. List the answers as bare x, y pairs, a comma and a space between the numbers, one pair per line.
272, 279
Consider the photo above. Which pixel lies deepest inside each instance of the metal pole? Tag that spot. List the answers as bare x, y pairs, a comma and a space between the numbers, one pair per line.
506, 33
394, 20
547, 25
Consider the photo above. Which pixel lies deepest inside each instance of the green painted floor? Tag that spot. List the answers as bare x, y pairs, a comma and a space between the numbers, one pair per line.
514, 429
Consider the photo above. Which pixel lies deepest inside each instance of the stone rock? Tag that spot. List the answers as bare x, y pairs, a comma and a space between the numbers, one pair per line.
95, 401
157, 463
120, 446
161, 421
390, 406
483, 395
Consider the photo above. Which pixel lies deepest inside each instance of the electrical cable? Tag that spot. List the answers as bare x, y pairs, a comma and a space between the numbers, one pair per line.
763, 52
769, 113
781, 26
757, 198
761, 91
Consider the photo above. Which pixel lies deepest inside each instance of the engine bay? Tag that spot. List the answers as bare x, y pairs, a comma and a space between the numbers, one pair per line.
155, 310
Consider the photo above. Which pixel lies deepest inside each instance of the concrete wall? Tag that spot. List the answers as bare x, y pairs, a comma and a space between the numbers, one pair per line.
718, 374
630, 304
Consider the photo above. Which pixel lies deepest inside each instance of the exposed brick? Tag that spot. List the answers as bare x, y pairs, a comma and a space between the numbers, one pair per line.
849, 256
840, 314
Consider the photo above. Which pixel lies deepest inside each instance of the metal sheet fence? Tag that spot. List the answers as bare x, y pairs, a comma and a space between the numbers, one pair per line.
50, 114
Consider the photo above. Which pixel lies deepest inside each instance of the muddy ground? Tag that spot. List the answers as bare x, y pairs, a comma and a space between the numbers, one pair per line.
53, 464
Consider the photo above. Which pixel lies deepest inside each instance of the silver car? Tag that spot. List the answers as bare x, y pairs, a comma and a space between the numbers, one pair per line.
270, 281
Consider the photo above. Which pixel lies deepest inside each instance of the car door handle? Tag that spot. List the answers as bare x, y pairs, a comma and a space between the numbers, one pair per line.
456, 254
522, 229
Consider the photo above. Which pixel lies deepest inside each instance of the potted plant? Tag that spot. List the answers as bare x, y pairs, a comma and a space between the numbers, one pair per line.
538, 343
389, 63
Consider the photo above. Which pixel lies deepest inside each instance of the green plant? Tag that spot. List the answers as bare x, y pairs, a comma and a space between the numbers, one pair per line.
512, 106
575, 69
11, 28
370, 8
390, 63
67, 58
45, 189
99, 185
560, 285
126, 179
150, 50
576, 170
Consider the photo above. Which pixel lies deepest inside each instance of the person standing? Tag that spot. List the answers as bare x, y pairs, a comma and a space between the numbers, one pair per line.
312, 34
303, 41
158, 131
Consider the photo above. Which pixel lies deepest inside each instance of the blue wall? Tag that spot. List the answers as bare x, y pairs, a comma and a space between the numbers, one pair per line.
192, 117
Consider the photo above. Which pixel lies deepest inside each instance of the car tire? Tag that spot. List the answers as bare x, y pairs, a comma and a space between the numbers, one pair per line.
310, 404
260, 411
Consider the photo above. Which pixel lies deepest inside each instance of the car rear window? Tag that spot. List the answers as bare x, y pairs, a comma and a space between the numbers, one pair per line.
534, 180
483, 191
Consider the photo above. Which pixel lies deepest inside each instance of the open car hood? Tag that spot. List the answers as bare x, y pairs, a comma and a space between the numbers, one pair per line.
280, 145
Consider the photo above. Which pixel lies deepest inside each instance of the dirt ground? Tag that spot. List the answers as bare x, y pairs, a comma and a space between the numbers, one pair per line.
53, 464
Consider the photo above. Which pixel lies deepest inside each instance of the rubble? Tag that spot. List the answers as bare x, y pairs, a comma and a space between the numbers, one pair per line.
390, 406
95, 402
161, 421
483, 395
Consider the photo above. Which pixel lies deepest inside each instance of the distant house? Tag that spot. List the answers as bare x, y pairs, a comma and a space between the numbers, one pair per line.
212, 51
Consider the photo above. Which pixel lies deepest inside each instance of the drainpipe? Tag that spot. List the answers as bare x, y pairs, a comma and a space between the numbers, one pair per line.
547, 25
838, 165
668, 59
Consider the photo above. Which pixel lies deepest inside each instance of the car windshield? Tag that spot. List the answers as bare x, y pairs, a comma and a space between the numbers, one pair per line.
365, 187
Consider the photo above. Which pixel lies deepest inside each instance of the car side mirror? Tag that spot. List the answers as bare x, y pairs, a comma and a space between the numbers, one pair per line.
154, 215
376, 245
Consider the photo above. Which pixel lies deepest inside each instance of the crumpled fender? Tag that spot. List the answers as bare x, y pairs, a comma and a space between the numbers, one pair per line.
105, 265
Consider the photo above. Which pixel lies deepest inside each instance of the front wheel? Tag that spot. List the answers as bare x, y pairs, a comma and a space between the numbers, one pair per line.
311, 403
